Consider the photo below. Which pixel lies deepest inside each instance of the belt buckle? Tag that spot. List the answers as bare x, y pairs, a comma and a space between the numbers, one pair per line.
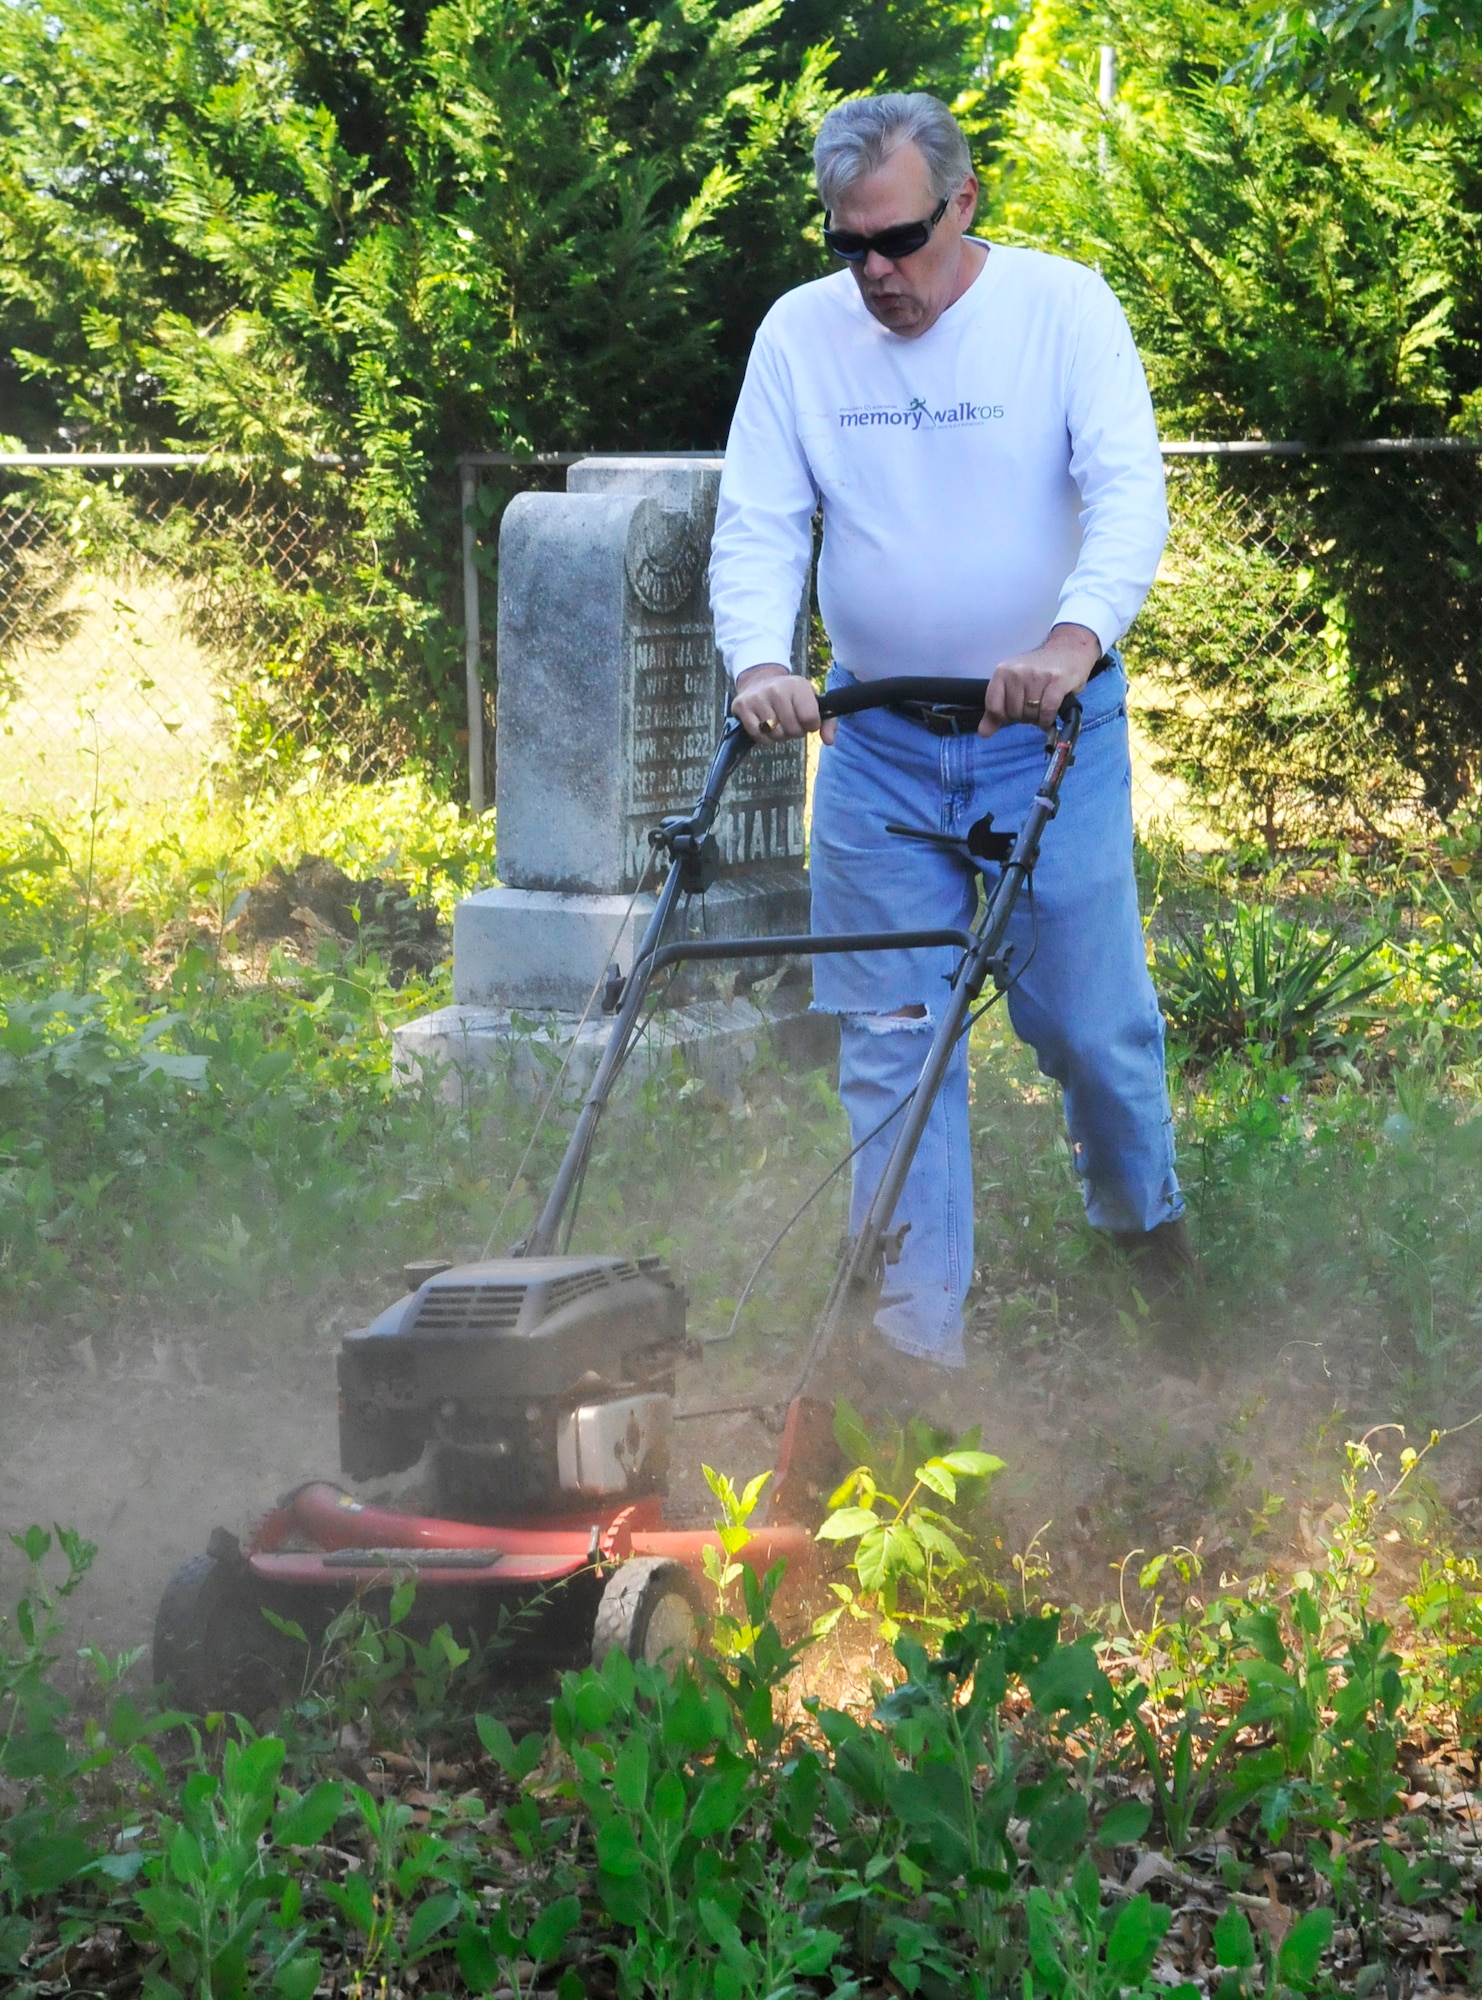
940, 720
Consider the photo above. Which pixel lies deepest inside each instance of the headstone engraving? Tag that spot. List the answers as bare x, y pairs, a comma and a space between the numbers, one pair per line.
611, 698
612, 695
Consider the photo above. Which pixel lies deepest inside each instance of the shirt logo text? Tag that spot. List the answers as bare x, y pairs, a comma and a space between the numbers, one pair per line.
918, 415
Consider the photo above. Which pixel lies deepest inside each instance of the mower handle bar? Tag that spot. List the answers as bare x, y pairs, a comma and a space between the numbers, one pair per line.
684, 836
931, 690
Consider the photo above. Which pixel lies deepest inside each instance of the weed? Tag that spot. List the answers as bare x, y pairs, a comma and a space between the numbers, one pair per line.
1262, 979
916, 1545
209, 1892
731, 1636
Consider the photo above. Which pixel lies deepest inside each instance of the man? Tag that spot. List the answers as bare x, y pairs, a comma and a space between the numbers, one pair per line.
975, 424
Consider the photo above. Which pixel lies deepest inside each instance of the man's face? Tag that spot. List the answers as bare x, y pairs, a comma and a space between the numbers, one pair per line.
910, 294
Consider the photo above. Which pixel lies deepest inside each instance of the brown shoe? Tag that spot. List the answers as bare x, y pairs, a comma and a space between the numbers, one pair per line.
902, 1386
1164, 1262
882, 1382
1165, 1269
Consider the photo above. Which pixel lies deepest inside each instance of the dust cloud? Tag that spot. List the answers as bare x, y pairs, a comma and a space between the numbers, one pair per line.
1107, 1452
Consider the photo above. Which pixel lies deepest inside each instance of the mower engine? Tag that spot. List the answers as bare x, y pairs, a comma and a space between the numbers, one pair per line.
538, 1383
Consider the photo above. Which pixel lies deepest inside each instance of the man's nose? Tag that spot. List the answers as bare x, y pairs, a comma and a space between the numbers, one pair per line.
877, 267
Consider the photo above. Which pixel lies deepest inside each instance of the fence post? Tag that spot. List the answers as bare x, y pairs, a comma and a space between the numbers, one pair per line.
468, 480
1106, 91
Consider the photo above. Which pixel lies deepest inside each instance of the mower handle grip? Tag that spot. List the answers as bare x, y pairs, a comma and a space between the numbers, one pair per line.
931, 689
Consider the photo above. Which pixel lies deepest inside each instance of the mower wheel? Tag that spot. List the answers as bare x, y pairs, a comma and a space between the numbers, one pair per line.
212, 1646
652, 1609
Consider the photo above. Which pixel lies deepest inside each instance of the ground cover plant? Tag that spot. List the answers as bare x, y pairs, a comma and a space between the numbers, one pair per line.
1261, 1785
1255, 1774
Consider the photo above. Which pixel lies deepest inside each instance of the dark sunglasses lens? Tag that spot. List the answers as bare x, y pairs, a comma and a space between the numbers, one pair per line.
891, 243
903, 242
844, 243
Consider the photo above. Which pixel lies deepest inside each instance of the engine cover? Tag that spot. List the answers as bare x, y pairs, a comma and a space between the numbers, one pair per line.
487, 1359
607, 1448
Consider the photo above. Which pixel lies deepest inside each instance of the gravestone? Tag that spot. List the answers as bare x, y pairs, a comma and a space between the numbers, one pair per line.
611, 701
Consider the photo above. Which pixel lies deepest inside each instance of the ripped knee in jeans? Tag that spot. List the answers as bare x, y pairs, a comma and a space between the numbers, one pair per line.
907, 1018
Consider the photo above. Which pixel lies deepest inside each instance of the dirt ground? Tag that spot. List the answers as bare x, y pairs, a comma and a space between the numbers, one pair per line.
1105, 1455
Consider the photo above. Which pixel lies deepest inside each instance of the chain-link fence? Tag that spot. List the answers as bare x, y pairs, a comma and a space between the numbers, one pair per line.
1308, 665
166, 618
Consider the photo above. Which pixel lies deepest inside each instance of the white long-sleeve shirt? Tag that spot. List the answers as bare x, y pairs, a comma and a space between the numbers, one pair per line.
996, 476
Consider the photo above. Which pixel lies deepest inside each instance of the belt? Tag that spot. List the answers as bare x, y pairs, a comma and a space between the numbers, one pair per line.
944, 718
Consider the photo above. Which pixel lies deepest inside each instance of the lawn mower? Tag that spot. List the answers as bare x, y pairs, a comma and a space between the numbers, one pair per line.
540, 1386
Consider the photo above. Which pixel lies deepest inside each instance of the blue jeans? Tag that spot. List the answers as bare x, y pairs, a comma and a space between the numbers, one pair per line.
1081, 994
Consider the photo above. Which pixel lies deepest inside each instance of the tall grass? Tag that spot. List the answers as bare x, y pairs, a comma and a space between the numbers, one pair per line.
193, 1139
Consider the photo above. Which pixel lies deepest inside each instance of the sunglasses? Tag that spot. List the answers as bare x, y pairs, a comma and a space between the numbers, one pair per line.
903, 241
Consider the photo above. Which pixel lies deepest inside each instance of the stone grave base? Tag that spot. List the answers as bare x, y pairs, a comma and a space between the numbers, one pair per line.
463, 1046
535, 949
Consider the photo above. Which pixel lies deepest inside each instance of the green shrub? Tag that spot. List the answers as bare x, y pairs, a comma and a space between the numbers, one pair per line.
1263, 979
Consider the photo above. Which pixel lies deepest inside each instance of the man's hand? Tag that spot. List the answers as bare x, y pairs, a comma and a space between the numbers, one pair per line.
772, 703
1032, 687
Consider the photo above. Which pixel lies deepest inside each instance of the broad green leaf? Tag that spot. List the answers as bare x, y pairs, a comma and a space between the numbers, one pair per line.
972, 1464
618, 1852
847, 1522
691, 1724
1234, 1945
937, 1478
719, 1804
669, 1798
1085, 1886
1261, 1630
1057, 1829
593, 1704
517, 1761
478, 1961
299, 1978
850, 1434
937, 1542
625, 1898
930, 1802
187, 1863
1303, 1946
552, 1928
354, 1901
255, 1768
1068, 1682
45, 1862
430, 1917
903, 1553
869, 1559
718, 1925
1125, 1822
630, 1772
813, 1954
40, 1753
1134, 1939
304, 1822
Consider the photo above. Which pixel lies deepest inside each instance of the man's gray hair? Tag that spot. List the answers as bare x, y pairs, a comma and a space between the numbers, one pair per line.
859, 136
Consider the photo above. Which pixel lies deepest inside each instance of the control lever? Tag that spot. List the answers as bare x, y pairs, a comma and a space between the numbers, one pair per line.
981, 843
